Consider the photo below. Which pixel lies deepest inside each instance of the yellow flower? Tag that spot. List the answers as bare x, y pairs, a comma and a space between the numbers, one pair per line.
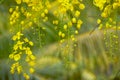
22, 22
11, 23
79, 22
115, 5
104, 15
26, 1
81, 6
21, 47
55, 22
11, 56
32, 57
72, 37
12, 69
14, 37
77, 13
69, 24
17, 36
46, 11
63, 10
75, 2
31, 43
17, 57
43, 15
19, 69
18, 45
26, 40
26, 76
61, 41
60, 33
28, 51
31, 70
63, 35
18, 1
20, 42
16, 8
28, 14
65, 27
76, 31
11, 10
15, 47
74, 20
99, 3
98, 21
78, 26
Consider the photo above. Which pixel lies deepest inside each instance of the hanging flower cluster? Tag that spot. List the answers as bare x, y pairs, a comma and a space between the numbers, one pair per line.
109, 12
22, 51
64, 15
68, 20
67, 23
109, 20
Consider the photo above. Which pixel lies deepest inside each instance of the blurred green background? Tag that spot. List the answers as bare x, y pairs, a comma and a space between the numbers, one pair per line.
90, 60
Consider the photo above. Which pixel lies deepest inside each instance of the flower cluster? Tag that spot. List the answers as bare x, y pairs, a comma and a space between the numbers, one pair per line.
67, 22
66, 25
108, 7
22, 51
15, 15
32, 13
109, 12
64, 15
37, 12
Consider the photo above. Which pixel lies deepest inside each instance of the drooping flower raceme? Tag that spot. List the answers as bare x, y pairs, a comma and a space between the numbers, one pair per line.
109, 20
63, 15
22, 52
